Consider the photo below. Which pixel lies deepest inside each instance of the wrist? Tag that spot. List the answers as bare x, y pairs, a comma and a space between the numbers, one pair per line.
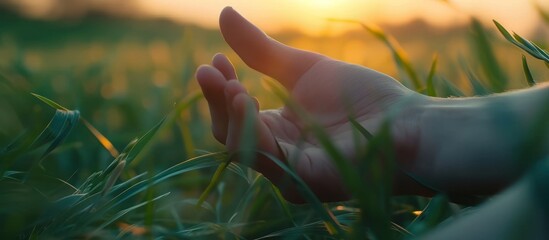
472, 145
465, 146
529, 107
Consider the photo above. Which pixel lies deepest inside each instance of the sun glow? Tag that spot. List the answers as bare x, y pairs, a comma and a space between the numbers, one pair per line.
320, 4
310, 16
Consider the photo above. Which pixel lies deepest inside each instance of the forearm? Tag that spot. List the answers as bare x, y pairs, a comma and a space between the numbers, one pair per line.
479, 145
515, 214
529, 109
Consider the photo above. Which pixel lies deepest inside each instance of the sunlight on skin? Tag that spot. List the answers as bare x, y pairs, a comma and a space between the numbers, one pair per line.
442, 142
279, 130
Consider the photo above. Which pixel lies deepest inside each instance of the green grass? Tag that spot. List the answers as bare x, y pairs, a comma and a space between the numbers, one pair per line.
71, 101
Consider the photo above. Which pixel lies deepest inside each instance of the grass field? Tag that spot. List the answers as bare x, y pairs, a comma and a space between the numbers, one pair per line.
131, 83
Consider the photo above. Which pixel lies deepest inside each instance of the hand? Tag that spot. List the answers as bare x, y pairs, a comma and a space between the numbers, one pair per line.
327, 89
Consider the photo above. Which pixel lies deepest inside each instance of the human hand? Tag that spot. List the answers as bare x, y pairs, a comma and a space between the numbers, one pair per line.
326, 89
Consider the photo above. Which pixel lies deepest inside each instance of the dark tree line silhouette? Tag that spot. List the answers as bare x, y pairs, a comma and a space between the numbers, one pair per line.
72, 9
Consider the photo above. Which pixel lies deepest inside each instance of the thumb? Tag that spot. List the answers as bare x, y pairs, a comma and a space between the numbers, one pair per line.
262, 53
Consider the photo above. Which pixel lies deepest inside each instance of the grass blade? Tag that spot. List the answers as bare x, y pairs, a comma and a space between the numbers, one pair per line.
297, 232
50, 102
369, 199
329, 219
484, 52
126, 211
59, 127
246, 153
184, 104
142, 142
527, 73
123, 194
101, 138
430, 88
450, 90
398, 53
377, 165
434, 213
214, 181
57, 130
528, 46
478, 88
532, 47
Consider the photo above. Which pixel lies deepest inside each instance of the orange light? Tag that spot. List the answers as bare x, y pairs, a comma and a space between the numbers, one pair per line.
134, 230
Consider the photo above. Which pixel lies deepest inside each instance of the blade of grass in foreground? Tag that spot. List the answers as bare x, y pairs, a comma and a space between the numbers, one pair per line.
333, 226
101, 138
247, 198
213, 182
349, 175
283, 204
377, 164
204, 161
381, 180
485, 54
478, 88
123, 212
399, 55
58, 128
436, 211
526, 45
50, 102
527, 73
95, 207
308, 229
449, 89
169, 120
184, 127
246, 153
91, 208
142, 142
430, 87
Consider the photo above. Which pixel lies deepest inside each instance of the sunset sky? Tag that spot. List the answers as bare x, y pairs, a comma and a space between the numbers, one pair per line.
310, 15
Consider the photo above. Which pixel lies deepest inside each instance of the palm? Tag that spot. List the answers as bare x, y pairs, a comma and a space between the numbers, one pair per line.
328, 91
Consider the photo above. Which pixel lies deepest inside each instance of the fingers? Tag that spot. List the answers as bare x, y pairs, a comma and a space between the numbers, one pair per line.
236, 99
212, 80
243, 112
222, 63
260, 52
243, 109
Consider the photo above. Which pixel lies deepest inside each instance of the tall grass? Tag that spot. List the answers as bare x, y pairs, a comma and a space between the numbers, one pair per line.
62, 175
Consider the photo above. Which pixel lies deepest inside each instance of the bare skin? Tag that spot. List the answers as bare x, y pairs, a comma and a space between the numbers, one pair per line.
451, 144
516, 213
466, 146
306, 75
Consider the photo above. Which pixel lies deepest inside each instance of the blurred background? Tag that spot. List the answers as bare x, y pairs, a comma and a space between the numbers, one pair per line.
125, 64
